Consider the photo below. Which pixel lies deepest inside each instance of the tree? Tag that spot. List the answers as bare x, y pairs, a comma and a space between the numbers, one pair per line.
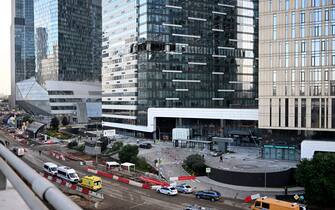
117, 146
65, 121
196, 164
317, 176
54, 124
128, 153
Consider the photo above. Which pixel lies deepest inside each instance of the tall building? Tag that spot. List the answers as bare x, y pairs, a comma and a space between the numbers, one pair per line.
68, 40
170, 64
296, 73
22, 42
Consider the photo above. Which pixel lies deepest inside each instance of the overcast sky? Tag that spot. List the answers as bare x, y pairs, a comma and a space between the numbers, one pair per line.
5, 14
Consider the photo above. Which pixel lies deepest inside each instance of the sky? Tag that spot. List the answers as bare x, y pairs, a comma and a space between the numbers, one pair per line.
5, 21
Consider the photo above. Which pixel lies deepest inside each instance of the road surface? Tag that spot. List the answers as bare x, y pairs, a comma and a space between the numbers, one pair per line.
122, 196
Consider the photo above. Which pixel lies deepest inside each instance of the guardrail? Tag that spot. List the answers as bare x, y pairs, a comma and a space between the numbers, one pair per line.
42, 189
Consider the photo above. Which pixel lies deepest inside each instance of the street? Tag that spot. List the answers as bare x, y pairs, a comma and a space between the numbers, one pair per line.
122, 196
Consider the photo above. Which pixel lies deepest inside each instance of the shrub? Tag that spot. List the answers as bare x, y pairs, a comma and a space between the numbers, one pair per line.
128, 153
195, 164
317, 176
65, 121
54, 124
117, 146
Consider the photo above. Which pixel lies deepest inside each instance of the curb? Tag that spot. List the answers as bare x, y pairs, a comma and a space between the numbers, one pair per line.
118, 178
75, 187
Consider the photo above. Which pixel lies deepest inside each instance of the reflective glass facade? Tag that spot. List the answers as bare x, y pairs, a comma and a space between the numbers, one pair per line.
68, 40
187, 54
23, 35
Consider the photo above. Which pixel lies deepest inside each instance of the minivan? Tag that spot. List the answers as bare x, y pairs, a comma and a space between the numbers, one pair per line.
68, 174
50, 168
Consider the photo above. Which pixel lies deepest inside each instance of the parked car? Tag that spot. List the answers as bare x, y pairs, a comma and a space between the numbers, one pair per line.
208, 194
145, 145
167, 190
18, 151
184, 188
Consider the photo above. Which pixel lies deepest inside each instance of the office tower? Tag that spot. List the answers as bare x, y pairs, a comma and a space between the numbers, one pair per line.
297, 58
170, 64
68, 40
22, 42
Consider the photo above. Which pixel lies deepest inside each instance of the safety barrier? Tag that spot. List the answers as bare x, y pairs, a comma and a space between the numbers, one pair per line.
182, 178
75, 187
57, 155
117, 178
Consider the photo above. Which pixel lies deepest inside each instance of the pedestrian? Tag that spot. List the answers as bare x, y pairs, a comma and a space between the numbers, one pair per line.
137, 141
285, 190
221, 158
39, 152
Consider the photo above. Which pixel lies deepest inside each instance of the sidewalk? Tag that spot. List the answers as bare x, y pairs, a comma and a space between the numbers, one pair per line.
171, 166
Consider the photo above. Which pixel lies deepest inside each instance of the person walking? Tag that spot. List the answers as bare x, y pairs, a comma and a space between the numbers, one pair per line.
221, 159
39, 152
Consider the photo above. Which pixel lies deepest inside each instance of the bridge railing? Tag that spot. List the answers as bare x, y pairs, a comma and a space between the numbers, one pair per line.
38, 193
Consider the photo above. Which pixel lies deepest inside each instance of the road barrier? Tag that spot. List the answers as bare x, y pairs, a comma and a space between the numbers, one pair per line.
58, 155
182, 178
75, 187
117, 178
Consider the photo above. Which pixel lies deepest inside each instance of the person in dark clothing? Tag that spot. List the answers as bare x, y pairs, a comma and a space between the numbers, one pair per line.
285, 189
39, 152
221, 158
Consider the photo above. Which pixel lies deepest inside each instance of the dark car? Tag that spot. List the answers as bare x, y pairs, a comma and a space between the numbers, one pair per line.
208, 194
145, 145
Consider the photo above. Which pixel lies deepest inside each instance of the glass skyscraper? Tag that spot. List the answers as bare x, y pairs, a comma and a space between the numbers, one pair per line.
178, 56
68, 40
22, 35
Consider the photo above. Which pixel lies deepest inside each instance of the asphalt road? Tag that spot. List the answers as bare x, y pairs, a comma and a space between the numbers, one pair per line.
122, 196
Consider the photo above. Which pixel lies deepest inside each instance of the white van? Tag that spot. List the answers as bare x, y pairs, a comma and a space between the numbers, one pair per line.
68, 174
18, 151
50, 168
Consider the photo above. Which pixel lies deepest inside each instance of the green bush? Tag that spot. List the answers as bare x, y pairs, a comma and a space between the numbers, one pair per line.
142, 165
117, 146
195, 164
54, 124
128, 153
317, 176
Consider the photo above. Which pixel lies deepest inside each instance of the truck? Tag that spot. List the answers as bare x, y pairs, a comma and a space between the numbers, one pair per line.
91, 182
274, 204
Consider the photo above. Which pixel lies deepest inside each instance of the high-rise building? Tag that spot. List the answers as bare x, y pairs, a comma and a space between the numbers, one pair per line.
22, 42
296, 73
170, 64
68, 40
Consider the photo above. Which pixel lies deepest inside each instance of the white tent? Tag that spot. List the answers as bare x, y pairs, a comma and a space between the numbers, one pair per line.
128, 165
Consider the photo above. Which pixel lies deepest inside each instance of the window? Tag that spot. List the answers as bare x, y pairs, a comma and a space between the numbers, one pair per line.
303, 3
258, 204
266, 205
274, 27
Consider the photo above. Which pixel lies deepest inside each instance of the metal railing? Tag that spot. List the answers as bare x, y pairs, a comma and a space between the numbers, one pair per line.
42, 191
